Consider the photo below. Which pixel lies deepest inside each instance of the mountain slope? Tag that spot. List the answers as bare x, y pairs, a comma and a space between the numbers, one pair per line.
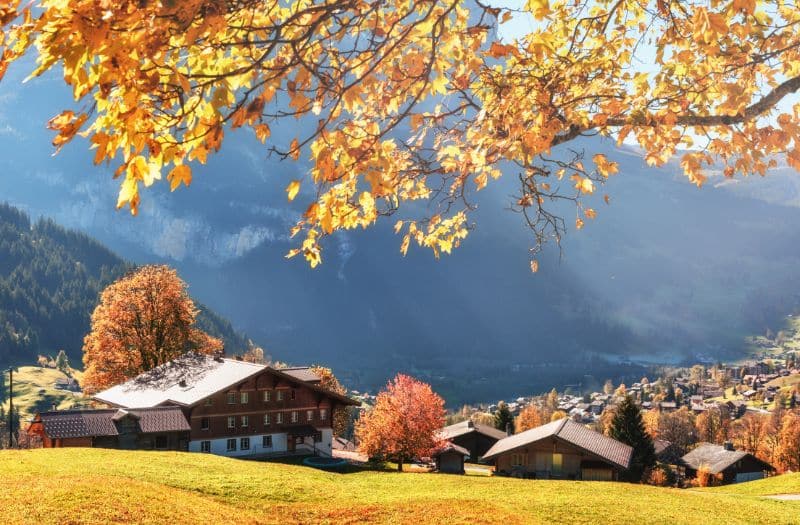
50, 280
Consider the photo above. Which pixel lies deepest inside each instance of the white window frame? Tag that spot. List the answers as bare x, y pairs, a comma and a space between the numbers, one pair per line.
279, 397
266, 441
279, 418
231, 421
309, 415
231, 398
244, 441
228, 445
323, 414
205, 447
244, 398
267, 396
267, 420
245, 421
294, 416
206, 420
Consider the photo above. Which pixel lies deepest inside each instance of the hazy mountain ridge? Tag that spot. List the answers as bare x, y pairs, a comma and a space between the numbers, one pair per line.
50, 281
667, 272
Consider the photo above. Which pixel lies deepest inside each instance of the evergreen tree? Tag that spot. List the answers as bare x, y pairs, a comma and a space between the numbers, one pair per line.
503, 419
2, 386
670, 392
62, 362
628, 427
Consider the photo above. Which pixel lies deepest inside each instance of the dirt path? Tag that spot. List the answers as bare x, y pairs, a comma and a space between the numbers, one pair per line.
785, 497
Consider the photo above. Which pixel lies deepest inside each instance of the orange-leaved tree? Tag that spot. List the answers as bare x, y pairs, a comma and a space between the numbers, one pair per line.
328, 381
404, 423
789, 442
421, 100
143, 320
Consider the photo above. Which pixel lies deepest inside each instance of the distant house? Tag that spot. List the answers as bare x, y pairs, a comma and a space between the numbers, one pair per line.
162, 428
474, 437
562, 449
732, 466
668, 406
233, 408
450, 458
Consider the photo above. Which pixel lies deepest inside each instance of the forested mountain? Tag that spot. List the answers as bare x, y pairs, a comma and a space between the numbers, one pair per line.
50, 279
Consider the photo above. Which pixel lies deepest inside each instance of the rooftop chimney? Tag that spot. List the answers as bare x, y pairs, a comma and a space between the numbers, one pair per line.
508, 429
470, 424
182, 383
728, 445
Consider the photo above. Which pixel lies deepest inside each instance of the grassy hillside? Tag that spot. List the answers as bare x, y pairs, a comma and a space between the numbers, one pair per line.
786, 484
35, 390
101, 486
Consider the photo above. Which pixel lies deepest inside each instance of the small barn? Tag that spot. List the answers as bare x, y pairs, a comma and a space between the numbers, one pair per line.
161, 428
450, 458
723, 461
474, 437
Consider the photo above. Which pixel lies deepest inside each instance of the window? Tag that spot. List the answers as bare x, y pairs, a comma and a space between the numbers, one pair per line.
266, 441
292, 394
231, 422
280, 395
205, 446
323, 414
294, 416
161, 442
245, 398
245, 421
244, 444
279, 418
267, 396
231, 445
209, 402
266, 420
309, 415
518, 460
231, 398
205, 423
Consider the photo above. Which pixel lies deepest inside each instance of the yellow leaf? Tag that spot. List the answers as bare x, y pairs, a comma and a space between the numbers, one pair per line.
579, 223
179, 174
294, 150
292, 189
534, 266
539, 8
590, 213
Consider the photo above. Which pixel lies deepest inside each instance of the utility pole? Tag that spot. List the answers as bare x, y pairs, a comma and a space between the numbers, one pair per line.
11, 407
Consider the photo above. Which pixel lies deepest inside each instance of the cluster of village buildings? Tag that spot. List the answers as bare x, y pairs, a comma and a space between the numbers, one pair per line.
210, 404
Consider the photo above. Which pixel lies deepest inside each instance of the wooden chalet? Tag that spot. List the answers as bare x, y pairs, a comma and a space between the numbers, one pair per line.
726, 463
562, 449
231, 407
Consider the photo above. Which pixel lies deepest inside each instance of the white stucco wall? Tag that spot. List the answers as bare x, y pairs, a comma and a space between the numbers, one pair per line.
220, 446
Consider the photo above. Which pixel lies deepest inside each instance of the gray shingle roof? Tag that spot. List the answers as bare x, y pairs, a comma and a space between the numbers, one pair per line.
98, 423
462, 428
451, 447
571, 432
302, 373
193, 377
714, 458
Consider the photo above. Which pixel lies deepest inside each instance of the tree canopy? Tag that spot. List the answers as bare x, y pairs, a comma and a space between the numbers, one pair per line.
144, 320
420, 100
404, 423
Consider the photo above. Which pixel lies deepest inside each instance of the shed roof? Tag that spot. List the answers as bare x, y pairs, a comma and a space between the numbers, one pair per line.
716, 458
99, 423
571, 432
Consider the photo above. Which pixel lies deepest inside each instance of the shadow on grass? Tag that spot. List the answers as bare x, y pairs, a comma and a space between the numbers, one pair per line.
348, 468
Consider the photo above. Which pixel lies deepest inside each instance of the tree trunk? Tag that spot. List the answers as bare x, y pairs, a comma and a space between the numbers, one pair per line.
400, 465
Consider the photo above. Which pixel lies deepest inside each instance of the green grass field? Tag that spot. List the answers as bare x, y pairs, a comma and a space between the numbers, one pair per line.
34, 390
105, 486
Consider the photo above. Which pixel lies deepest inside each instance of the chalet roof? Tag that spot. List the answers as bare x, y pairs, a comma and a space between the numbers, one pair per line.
191, 378
715, 458
98, 423
661, 445
610, 450
467, 427
302, 373
451, 447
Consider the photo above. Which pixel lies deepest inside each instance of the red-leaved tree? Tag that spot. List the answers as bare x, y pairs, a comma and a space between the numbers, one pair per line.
404, 422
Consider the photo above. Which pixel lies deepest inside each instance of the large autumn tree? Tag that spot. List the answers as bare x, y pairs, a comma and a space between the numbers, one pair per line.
143, 320
404, 423
421, 100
